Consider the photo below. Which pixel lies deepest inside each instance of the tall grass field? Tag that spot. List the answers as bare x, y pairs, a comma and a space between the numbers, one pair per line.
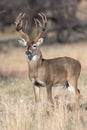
18, 110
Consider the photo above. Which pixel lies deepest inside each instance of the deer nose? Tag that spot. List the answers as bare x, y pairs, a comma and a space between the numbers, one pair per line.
28, 52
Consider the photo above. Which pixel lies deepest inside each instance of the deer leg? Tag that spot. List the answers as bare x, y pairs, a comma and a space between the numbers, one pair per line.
73, 88
49, 94
77, 96
37, 94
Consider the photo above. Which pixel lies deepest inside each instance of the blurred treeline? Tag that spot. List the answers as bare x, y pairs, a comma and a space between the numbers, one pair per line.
67, 19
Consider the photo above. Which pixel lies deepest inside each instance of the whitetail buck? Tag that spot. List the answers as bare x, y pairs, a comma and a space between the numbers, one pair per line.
47, 72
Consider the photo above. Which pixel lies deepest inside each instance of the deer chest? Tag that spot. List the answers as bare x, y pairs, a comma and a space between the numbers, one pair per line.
37, 82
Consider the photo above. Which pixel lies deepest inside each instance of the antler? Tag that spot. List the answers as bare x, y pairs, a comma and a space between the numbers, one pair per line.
21, 26
42, 25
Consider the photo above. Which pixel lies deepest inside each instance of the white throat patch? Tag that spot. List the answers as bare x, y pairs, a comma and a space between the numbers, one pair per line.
34, 58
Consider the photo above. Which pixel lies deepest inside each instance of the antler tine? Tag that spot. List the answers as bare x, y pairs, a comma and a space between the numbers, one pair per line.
44, 18
19, 21
36, 24
26, 25
21, 27
42, 25
20, 17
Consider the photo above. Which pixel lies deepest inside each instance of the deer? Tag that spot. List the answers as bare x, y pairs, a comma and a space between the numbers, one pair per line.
46, 72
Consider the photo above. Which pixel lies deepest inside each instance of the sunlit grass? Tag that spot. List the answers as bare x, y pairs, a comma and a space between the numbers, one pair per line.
20, 112
10, 35
17, 107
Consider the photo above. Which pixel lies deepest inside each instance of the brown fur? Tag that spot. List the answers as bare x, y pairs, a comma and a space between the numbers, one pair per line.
54, 71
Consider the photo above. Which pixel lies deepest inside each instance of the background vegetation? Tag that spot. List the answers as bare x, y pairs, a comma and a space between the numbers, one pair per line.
67, 19
66, 35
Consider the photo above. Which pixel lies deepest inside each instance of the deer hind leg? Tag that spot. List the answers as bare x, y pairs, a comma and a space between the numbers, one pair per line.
49, 94
73, 88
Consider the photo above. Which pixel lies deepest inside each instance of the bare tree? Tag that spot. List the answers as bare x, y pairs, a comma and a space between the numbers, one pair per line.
61, 14
12, 8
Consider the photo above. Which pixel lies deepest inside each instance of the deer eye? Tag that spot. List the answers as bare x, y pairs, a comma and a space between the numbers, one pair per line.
34, 46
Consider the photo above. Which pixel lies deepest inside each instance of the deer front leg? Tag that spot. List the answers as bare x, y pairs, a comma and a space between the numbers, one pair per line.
49, 94
37, 93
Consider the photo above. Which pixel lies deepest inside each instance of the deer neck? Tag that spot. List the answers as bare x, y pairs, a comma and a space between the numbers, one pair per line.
36, 61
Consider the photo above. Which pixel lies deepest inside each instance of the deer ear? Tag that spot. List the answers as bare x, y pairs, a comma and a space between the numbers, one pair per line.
23, 42
40, 41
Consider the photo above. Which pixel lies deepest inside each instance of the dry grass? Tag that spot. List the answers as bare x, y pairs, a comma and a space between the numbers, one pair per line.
22, 114
17, 108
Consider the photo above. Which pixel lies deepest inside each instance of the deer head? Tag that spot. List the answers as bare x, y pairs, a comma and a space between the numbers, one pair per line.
32, 49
